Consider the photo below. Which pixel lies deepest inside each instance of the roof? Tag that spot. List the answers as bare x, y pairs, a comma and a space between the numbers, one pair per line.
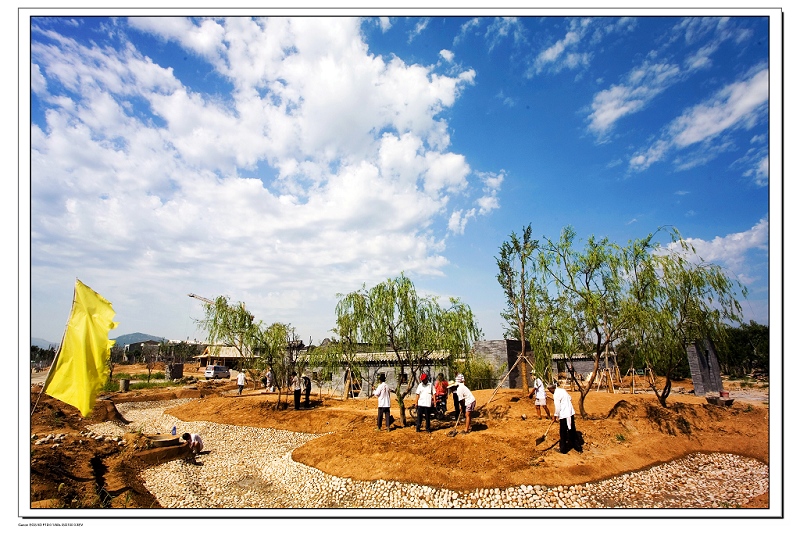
580, 356
391, 357
227, 352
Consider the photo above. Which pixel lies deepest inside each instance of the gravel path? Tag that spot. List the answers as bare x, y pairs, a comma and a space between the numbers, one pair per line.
241, 475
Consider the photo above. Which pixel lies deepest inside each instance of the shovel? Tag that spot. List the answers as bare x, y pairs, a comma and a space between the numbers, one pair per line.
543, 437
453, 432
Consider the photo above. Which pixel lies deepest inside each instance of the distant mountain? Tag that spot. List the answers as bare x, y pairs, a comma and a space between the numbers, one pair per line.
43, 344
130, 338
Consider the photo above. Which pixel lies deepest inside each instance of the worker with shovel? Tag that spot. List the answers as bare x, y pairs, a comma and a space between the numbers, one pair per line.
466, 399
565, 414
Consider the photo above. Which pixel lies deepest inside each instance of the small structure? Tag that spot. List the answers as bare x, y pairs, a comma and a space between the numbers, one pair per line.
173, 371
704, 366
219, 355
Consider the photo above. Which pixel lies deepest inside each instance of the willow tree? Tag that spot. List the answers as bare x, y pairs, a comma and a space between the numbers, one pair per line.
274, 351
692, 300
233, 325
516, 265
589, 287
392, 316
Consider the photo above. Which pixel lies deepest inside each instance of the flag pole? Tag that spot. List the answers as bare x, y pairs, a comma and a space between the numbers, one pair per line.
55, 358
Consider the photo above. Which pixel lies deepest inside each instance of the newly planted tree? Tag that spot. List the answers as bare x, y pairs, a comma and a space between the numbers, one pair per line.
589, 290
516, 264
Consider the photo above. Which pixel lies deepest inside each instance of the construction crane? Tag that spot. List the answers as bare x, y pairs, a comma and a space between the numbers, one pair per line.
206, 300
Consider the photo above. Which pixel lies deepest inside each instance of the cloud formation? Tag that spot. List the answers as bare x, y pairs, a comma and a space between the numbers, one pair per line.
739, 105
259, 184
732, 251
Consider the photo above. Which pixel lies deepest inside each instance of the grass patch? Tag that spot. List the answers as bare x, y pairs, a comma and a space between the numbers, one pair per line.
151, 385
139, 377
156, 381
620, 437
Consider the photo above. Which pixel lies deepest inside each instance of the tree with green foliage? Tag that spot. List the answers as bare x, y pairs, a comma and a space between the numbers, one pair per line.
391, 315
688, 300
273, 344
231, 325
747, 350
587, 292
517, 278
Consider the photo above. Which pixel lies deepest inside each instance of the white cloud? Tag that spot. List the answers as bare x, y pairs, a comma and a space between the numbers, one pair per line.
502, 28
419, 27
642, 85
447, 55
731, 251
507, 100
559, 55
458, 220
467, 28
738, 105
326, 168
385, 23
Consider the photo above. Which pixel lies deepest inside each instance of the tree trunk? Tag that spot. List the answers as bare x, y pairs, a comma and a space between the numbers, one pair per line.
523, 368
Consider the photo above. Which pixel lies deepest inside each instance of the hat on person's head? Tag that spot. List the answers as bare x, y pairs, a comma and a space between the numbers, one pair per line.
552, 386
423, 377
452, 385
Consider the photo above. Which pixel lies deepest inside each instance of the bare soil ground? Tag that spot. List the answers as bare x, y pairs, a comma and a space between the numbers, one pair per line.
623, 432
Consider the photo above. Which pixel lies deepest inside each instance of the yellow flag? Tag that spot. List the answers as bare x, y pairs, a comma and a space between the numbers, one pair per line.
80, 371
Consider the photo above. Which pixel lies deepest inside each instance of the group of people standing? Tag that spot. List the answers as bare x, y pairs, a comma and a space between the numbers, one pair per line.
300, 385
429, 395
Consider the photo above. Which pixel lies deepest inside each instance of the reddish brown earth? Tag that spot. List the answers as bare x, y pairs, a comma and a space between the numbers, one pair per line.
623, 432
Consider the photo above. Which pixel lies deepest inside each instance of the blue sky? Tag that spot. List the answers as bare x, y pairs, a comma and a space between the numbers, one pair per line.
281, 161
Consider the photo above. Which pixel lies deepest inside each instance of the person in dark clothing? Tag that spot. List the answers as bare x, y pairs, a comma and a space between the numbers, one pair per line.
297, 391
456, 403
307, 391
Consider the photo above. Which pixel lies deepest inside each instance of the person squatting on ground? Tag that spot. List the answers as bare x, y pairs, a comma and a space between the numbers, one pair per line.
425, 394
441, 392
241, 379
297, 391
466, 399
194, 441
307, 391
565, 413
541, 398
384, 402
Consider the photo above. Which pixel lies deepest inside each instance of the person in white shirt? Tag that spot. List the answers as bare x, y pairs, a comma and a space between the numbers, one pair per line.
565, 414
195, 444
384, 402
466, 399
541, 398
425, 394
240, 381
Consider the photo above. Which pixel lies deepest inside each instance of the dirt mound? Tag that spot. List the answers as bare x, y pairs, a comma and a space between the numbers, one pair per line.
500, 451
